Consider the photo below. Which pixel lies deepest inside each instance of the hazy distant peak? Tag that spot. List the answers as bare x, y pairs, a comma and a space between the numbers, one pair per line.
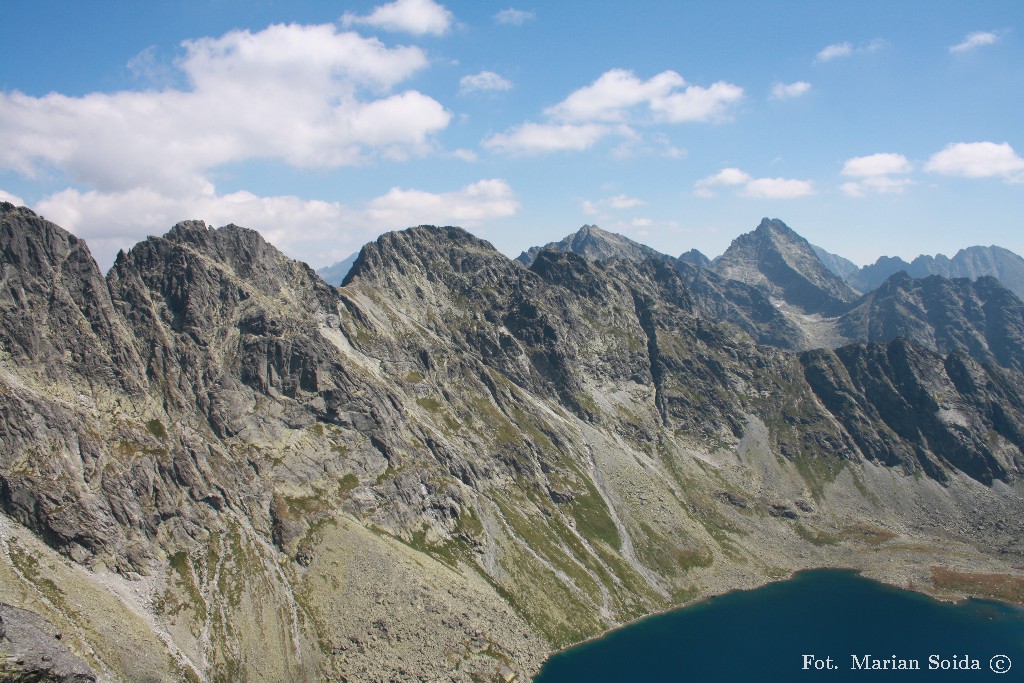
695, 258
971, 262
595, 244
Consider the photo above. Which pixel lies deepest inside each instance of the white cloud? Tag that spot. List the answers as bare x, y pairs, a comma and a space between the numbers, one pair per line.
777, 188
463, 154
290, 93
315, 231
11, 198
876, 164
975, 40
614, 103
846, 49
481, 201
787, 91
418, 17
619, 202
514, 17
622, 201
755, 188
875, 173
978, 160
485, 81
727, 176
617, 93
147, 68
833, 51
537, 138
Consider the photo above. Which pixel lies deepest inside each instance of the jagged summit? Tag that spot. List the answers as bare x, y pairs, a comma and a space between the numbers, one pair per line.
695, 258
595, 244
777, 260
422, 247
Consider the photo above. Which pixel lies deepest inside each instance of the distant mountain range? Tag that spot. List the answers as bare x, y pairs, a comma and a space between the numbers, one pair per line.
778, 288
973, 262
595, 244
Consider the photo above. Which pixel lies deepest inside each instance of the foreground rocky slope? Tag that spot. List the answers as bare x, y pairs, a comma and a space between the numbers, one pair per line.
217, 467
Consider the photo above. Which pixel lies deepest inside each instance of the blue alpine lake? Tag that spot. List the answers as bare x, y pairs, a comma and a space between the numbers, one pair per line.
821, 625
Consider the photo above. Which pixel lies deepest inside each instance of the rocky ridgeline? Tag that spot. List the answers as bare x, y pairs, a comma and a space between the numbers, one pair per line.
215, 466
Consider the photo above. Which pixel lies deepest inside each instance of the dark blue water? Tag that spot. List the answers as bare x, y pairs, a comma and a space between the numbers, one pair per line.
827, 615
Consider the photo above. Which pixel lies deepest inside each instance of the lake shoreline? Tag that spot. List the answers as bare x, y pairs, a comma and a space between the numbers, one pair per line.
794, 574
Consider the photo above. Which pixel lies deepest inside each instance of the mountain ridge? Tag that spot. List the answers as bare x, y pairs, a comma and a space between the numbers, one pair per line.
970, 262
453, 464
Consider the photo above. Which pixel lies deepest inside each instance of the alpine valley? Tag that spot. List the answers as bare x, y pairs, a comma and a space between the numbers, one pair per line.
215, 466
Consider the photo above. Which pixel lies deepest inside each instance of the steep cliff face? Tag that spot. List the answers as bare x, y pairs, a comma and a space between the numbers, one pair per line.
452, 463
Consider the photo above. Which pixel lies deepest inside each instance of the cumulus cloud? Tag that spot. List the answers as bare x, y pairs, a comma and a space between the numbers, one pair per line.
514, 17
469, 206
777, 188
619, 202
975, 40
755, 188
616, 103
787, 91
418, 17
538, 138
831, 52
875, 173
727, 176
978, 160
876, 164
845, 49
11, 198
318, 232
485, 81
291, 93
618, 95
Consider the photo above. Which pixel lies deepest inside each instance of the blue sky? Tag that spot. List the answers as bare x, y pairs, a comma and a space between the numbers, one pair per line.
871, 127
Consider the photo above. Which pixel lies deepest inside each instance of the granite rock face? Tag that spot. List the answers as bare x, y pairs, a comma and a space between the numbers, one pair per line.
31, 651
216, 466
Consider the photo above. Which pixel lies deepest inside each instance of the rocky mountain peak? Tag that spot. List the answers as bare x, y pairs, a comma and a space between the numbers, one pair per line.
776, 259
54, 302
595, 244
424, 247
695, 258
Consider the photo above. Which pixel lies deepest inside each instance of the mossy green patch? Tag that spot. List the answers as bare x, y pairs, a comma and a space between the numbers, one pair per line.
157, 429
